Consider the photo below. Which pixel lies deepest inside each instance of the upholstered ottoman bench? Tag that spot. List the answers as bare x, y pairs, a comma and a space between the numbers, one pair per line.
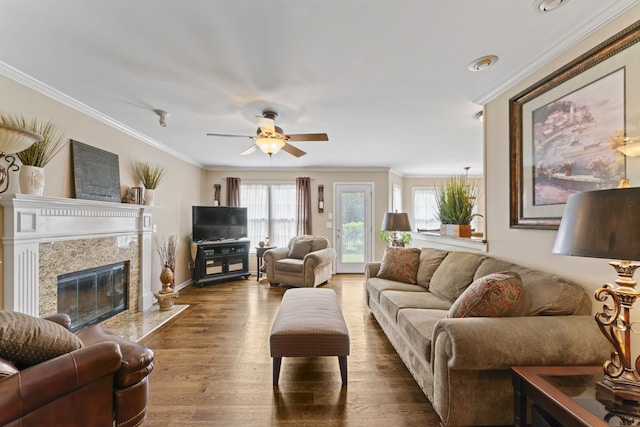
309, 323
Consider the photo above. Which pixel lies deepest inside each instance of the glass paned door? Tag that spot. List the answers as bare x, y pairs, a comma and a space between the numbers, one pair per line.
353, 227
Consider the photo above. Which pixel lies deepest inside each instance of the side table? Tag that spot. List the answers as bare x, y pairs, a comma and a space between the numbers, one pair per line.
565, 396
260, 250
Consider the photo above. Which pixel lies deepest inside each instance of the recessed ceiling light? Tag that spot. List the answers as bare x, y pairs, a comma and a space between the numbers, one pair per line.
483, 63
545, 6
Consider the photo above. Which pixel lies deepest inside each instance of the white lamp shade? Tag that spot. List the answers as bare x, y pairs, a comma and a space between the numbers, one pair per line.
14, 140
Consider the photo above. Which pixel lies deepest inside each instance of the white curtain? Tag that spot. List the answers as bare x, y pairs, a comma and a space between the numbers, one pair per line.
271, 211
283, 213
425, 209
256, 198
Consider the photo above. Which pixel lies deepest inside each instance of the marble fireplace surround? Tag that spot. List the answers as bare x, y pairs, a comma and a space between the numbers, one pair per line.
47, 236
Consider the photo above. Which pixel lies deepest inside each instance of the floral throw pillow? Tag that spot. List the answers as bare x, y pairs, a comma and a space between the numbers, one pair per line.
400, 264
493, 295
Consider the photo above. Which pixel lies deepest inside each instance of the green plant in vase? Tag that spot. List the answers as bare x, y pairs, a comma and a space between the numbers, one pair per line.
404, 237
38, 155
151, 175
456, 200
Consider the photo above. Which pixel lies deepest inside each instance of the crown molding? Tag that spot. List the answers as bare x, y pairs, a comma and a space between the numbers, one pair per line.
605, 15
46, 90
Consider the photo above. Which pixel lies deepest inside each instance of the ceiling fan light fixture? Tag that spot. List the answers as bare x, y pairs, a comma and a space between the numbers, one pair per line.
270, 145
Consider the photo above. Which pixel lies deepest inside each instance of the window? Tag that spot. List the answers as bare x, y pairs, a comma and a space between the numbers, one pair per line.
271, 211
396, 201
424, 208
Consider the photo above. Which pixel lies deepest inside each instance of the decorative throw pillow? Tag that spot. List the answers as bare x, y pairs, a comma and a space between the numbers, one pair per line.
493, 295
300, 248
26, 340
400, 264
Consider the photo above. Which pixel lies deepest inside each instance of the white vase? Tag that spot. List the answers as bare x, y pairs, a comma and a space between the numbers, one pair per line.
31, 180
148, 196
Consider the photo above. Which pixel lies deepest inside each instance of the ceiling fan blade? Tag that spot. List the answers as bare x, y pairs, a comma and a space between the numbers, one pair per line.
249, 150
226, 135
266, 125
308, 137
293, 150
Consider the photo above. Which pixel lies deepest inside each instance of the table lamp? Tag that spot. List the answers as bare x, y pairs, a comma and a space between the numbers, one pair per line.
394, 222
606, 224
13, 140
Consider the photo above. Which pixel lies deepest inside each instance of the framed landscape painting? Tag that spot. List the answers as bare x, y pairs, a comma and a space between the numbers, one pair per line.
566, 131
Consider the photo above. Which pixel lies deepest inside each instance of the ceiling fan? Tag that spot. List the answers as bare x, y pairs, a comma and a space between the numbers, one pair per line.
271, 139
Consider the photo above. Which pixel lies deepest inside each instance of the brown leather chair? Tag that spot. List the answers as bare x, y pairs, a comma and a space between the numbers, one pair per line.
102, 382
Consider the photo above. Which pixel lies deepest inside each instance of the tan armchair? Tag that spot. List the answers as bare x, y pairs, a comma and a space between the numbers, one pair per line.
307, 261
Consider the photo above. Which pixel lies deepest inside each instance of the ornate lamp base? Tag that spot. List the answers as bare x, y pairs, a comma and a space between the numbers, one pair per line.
621, 385
619, 393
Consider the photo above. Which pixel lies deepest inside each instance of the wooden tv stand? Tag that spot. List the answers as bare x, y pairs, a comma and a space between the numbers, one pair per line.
221, 260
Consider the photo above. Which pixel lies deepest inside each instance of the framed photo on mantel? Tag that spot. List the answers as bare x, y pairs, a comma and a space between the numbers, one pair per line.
96, 173
566, 130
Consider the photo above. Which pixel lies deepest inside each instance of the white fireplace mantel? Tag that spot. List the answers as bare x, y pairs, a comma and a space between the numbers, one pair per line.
32, 220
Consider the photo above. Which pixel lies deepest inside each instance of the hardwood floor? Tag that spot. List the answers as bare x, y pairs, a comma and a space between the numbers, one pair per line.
212, 366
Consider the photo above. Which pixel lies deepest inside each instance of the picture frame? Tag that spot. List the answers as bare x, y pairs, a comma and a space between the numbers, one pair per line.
96, 173
577, 116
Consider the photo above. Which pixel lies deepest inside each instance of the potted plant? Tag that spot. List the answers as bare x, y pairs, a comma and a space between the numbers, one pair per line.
166, 249
151, 176
387, 236
455, 201
36, 157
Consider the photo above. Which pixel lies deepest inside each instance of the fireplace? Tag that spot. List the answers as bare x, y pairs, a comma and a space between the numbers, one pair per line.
49, 237
93, 295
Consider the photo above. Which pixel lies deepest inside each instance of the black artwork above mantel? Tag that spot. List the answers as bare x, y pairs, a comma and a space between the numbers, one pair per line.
96, 173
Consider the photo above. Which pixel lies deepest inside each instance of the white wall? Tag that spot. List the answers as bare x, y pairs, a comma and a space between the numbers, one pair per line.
533, 247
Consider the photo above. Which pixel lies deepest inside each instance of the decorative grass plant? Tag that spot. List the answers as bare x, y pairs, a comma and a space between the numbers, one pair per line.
40, 153
456, 199
150, 175
166, 249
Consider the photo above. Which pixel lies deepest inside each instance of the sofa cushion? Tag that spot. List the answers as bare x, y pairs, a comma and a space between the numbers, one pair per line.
430, 259
400, 264
494, 295
375, 285
26, 340
417, 325
393, 301
543, 294
300, 248
291, 265
454, 274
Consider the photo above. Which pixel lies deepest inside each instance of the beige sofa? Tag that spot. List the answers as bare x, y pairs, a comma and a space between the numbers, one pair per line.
307, 261
463, 364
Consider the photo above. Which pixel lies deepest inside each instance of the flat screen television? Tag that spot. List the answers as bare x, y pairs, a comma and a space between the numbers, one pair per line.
211, 223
